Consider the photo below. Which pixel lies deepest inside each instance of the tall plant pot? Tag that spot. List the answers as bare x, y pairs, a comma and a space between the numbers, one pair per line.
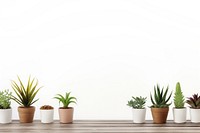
5, 116
179, 115
195, 115
66, 115
159, 115
46, 115
139, 115
26, 114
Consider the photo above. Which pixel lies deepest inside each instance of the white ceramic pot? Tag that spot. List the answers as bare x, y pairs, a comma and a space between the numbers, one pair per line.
195, 115
46, 115
179, 115
139, 115
5, 116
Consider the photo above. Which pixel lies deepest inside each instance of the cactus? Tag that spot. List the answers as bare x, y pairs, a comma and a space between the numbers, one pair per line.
179, 100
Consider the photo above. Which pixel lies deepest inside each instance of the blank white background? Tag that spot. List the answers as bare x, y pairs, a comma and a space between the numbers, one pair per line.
103, 51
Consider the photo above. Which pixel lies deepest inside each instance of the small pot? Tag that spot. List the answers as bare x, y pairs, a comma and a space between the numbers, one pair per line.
26, 114
195, 115
179, 115
5, 116
159, 115
139, 115
46, 115
66, 115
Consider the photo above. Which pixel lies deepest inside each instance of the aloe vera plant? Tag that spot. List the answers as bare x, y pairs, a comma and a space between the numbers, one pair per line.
65, 100
25, 94
160, 99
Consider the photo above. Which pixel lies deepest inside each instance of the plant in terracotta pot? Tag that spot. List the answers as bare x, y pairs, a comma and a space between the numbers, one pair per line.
179, 111
194, 103
138, 108
5, 108
160, 106
25, 97
66, 112
46, 113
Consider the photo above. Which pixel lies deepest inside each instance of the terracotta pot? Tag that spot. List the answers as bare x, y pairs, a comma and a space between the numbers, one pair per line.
26, 114
66, 115
159, 115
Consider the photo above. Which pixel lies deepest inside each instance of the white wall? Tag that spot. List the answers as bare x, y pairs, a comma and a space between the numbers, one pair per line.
102, 51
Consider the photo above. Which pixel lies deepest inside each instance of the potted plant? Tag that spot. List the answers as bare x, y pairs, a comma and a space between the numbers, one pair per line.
138, 109
179, 111
25, 97
194, 103
5, 109
46, 113
66, 112
160, 106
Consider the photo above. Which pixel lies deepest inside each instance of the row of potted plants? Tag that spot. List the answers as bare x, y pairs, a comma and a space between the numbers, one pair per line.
25, 97
160, 106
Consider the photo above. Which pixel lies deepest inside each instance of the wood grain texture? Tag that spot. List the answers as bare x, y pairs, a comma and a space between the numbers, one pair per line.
99, 126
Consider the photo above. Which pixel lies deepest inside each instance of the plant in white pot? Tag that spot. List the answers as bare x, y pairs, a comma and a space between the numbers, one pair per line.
138, 109
5, 108
66, 112
179, 111
194, 103
46, 114
25, 97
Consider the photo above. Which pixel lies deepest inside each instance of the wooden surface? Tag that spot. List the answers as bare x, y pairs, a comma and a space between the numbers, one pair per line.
88, 126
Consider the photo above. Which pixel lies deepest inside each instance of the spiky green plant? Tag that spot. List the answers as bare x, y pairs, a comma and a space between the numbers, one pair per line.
25, 94
160, 97
137, 102
179, 100
65, 100
194, 101
5, 97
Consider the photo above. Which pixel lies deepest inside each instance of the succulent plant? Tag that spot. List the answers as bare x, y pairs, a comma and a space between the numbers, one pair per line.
179, 100
160, 97
46, 107
65, 100
137, 102
25, 94
194, 101
5, 97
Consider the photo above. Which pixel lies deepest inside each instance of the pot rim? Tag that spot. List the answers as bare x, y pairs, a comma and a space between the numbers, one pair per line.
6, 109
26, 107
66, 108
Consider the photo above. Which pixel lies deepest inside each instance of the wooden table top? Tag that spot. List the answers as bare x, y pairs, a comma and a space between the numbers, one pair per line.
98, 126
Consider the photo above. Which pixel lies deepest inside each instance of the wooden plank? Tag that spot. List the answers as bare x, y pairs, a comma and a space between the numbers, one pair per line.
83, 126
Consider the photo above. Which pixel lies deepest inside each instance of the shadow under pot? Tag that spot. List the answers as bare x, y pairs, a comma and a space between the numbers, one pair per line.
66, 115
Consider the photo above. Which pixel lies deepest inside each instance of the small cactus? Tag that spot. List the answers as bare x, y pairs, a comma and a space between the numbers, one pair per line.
46, 107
